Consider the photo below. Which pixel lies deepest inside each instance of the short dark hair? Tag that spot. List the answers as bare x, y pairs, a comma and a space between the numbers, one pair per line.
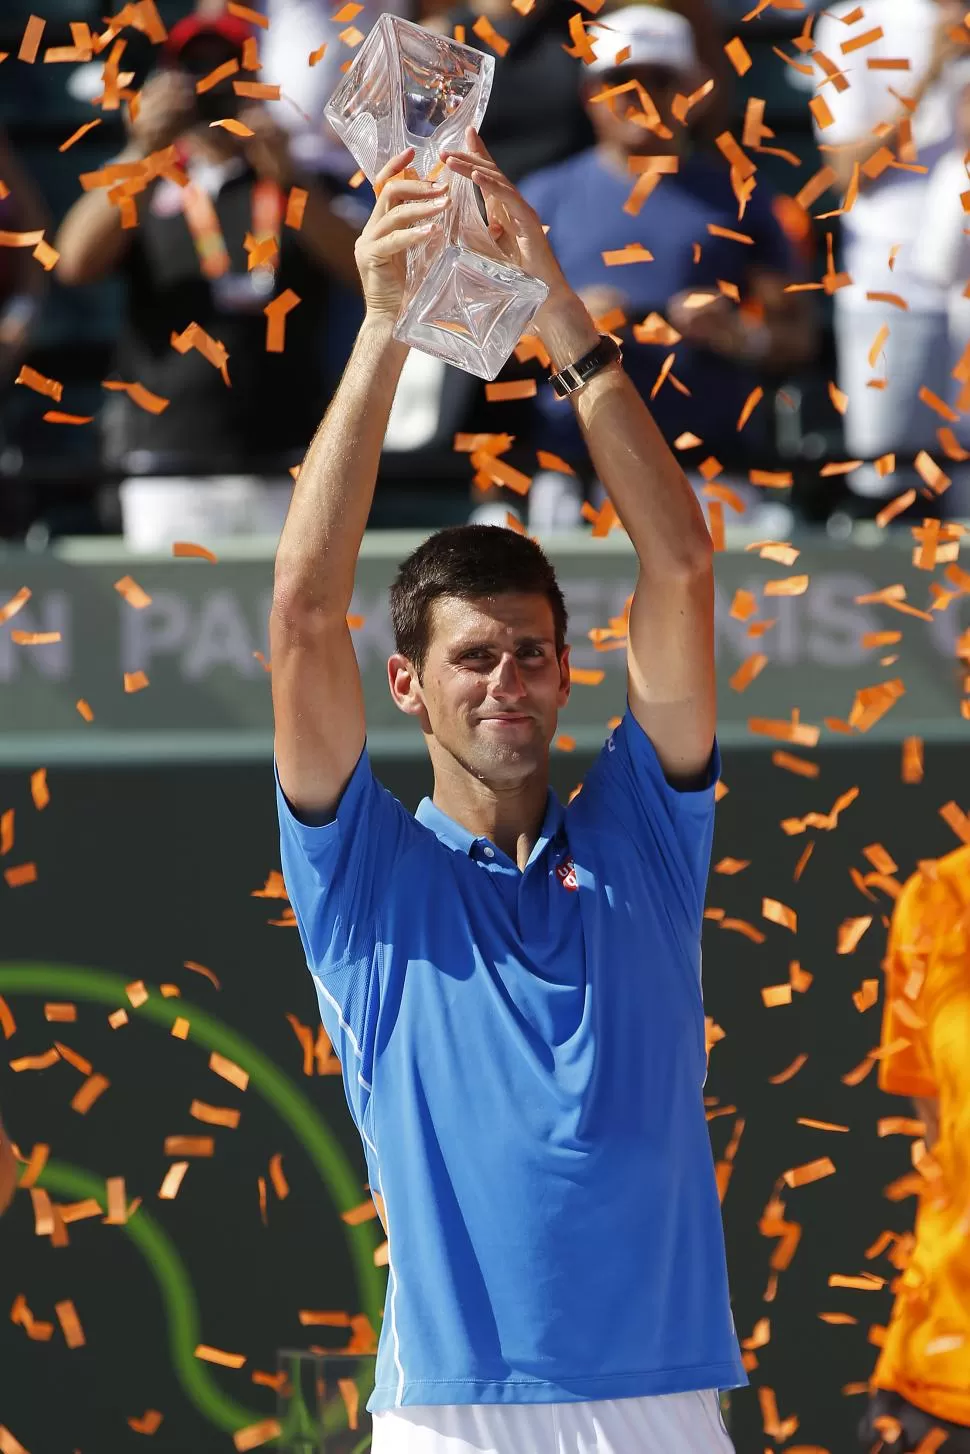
468, 561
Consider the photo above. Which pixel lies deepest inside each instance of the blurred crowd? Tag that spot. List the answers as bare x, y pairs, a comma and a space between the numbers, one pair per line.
644, 146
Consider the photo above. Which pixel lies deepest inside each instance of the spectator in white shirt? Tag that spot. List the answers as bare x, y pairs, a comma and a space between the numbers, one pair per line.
887, 220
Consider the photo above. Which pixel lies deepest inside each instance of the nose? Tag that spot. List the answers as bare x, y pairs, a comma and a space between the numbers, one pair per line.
506, 684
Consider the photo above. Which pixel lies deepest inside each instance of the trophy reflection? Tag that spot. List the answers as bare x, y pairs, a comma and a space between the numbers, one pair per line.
464, 302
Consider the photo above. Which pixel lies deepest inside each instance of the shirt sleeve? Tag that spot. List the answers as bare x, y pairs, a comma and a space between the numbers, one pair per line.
626, 788
336, 877
908, 1070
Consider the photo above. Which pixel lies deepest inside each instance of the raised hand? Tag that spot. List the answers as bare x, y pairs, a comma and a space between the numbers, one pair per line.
404, 214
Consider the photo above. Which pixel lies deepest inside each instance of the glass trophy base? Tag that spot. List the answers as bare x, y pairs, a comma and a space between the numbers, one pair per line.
470, 311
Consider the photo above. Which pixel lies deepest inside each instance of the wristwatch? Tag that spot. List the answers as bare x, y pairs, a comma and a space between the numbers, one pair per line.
574, 376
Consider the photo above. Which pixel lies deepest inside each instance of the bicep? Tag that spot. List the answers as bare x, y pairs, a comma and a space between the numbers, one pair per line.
318, 710
671, 678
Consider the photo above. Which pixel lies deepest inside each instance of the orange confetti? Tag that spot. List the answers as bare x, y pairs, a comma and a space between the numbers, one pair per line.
586, 677
135, 681
184, 549
31, 379
912, 765
138, 394
771, 479
228, 1069
809, 1172
217, 1355
787, 586
737, 54
215, 1115
899, 1126
189, 1146
840, 1320
276, 313
24, 873
789, 1072
15, 604
776, 994
149, 1423
634, 252
93, 1087
35, 638
866, 995
750, 404
221, 73
280, 1184
230, 124
820, 1125
256, 90
70, 1323
173, 1180
256, 1434
7, 1022
30, 42
798, 765
749, 669
131, 592
39, 791
859, 1073
486, 32
850, 932
35, 1165
778, 913
513, 389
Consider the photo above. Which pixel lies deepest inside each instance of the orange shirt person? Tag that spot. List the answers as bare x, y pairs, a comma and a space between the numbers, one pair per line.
922, 1379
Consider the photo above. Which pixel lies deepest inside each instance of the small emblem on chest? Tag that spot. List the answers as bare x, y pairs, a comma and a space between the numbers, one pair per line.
566, 874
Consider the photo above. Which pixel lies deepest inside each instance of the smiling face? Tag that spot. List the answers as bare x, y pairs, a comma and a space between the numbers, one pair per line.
492, 686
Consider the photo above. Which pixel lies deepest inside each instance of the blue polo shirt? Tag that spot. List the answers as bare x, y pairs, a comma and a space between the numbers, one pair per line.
523, 1055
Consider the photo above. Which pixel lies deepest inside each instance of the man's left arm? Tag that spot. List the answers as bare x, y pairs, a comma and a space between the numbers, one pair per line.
670, 653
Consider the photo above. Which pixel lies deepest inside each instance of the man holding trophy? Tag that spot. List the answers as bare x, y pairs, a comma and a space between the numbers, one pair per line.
512, 987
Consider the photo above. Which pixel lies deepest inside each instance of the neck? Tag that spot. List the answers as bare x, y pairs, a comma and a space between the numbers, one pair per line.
617, 157
511, 818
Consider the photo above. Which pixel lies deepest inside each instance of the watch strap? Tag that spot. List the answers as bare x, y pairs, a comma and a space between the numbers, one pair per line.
573, 377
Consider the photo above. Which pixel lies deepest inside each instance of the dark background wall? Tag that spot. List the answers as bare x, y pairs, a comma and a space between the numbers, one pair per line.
141, 868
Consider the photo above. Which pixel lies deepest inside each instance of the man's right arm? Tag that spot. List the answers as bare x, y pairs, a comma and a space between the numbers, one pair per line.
318, 702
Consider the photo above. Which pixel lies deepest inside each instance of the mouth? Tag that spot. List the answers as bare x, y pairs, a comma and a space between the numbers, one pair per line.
508, 719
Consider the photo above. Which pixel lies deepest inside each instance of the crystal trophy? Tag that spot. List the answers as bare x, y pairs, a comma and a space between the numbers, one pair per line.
464, 302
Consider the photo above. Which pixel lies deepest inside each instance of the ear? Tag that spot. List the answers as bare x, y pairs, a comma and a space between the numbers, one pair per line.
565, 685
405, 688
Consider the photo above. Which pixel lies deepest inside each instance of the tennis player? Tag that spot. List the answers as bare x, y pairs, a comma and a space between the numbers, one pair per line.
513, 987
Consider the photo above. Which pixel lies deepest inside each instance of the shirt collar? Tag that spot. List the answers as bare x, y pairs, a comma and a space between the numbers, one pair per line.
463, 841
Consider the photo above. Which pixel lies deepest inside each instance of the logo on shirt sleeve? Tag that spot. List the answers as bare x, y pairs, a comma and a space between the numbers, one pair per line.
566, 874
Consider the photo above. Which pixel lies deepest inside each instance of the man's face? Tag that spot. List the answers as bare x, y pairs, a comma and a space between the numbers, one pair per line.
492, 685
621, 120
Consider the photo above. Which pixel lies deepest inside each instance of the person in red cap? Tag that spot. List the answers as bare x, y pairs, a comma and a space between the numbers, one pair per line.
214, 460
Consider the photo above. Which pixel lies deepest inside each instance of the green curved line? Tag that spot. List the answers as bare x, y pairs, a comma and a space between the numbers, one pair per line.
177, 1293
267, 1080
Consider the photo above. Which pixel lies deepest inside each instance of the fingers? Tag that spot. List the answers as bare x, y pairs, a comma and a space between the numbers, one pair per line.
395, 165
406, 213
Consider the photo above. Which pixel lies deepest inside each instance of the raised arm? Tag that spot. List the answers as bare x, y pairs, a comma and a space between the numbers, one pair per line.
318, 703
91, 240
670, 655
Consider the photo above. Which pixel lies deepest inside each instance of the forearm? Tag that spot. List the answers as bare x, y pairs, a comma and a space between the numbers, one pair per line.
91, 239
648, 489
318, 549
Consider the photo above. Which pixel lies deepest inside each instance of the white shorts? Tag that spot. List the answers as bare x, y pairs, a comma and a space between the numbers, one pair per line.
673, 1423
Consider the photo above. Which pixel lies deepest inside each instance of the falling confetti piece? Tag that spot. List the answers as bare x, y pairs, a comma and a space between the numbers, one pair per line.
24, 873
256, 1434
138, 394
217, 1355
820, 1125
809, 1172
184, 549
778, 913
513, 389
149, 1423
229, 1070
190, 1146
93, 1087
70, 1324
276, 314
7, 1022
135, 681
215, 1115
40, 384
15, 604
789, 1072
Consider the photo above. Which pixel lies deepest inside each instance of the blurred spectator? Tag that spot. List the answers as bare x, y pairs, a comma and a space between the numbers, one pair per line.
295, 30
941, 258
186, 262
725, 347
23, 282
882, 227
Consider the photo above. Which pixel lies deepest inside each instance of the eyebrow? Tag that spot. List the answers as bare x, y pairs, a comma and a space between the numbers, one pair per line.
472, 645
